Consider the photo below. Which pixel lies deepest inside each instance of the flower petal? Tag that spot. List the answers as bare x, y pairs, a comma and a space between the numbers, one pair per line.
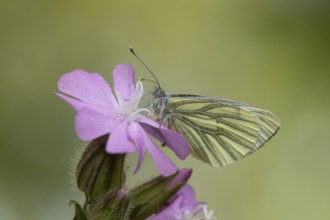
90, 124
190, 199
134, 133
123, 80
119, 141
182, 206
164, 165
76, 104
87, 87
172, 139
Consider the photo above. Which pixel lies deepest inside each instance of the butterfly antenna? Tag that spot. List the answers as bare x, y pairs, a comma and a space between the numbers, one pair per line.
133, 52
149, 80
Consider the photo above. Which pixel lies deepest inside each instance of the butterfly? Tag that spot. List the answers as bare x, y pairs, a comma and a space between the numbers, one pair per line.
219, 131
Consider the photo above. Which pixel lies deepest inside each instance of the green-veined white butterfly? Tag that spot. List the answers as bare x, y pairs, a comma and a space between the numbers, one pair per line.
219, 131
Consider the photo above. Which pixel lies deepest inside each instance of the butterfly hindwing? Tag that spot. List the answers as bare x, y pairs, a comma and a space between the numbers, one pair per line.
219, 131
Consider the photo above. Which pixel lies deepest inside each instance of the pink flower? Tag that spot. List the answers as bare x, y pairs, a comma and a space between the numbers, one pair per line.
100, 113
184, 207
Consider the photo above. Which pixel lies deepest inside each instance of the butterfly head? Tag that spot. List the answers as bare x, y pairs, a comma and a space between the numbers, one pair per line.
158, 93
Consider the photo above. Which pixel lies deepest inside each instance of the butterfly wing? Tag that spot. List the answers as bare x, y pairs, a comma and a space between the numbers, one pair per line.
220, 131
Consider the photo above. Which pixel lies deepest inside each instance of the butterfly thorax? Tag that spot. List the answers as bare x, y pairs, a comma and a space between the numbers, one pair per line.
158, 106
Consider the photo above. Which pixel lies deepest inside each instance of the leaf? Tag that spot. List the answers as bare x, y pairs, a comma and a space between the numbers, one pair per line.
80, 214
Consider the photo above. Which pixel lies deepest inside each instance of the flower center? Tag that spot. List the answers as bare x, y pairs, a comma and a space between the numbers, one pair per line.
133, 115
129, 107
200, 212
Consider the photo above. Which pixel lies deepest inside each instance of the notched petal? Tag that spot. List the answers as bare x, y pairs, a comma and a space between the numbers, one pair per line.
123, 80
76, 104
90, 88
119, 141
164, 165
90, 124
136, 135
166, 136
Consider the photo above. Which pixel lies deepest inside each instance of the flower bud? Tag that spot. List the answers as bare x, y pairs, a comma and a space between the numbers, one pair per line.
151, 196
112, 205
99, 172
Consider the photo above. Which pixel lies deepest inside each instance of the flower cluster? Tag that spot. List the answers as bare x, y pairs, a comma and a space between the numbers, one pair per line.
113, 119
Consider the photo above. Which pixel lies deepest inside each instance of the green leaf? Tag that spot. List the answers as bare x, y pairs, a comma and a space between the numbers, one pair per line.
80, 214
99, 172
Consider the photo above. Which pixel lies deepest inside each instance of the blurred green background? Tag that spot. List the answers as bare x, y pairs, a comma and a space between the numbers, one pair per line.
273, 53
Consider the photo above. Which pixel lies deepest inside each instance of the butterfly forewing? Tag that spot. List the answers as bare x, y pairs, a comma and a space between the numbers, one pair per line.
219, 131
